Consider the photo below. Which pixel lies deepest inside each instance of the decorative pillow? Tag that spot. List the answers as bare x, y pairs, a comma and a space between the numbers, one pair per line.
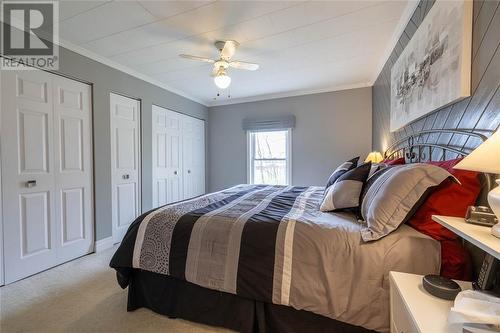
345, 192
449, 199
392, 195
341, 169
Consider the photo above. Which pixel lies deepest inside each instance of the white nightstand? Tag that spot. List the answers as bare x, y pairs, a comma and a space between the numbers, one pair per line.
476, 234
414, 310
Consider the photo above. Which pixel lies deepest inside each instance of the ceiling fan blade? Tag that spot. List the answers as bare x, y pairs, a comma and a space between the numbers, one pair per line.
229, 49
244, 65
192, 57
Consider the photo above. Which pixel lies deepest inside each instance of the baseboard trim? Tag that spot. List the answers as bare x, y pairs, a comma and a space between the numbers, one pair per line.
103, 244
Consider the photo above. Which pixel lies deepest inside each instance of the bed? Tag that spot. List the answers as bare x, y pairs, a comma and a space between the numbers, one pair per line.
261, 258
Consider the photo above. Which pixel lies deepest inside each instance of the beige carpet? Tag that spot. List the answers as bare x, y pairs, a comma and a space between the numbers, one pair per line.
80, 296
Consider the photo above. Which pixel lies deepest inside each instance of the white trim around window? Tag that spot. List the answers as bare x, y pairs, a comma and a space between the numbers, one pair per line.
251, 159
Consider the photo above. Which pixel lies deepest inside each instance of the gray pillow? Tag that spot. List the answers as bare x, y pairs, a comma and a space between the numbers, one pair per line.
392, 195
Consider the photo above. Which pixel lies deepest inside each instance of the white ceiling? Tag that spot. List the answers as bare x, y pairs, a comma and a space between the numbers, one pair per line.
302, 47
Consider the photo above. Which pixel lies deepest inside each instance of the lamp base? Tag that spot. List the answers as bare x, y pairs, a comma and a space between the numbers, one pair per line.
494, 201
495, 230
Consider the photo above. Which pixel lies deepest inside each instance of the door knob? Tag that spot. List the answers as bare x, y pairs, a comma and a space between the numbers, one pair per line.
126, 176
189, 171
175, 172
31, 183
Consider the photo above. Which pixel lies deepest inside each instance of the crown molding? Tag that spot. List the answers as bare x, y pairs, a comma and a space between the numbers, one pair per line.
113, 64
402, 23
122, 68
289, 94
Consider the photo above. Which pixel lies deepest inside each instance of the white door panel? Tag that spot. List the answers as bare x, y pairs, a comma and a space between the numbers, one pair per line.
47, 171
28, 173
34, 223
178, 156
72, 141
126, 204
72, 215
194, 157
167, 156
125, 154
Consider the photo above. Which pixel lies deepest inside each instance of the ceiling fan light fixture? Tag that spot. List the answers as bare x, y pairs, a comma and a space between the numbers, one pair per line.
222, 81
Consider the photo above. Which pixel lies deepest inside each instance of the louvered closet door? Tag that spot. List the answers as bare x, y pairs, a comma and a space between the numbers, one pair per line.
125, 168
167, 156
42, 211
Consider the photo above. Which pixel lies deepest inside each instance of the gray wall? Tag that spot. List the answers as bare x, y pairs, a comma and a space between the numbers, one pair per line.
330, 128
480, 112
105, 80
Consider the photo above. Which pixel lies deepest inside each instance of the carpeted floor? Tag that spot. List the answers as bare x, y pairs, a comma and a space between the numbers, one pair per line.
80, 296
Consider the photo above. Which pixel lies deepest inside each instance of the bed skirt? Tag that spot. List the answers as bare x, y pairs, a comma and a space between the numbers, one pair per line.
179, 299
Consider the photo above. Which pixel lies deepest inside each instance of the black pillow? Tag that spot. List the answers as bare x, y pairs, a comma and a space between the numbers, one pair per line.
341, 169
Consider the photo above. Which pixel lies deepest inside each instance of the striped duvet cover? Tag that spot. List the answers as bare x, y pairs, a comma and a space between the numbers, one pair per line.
272, 244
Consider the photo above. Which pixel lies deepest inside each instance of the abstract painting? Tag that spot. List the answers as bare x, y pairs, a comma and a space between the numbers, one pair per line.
434, 69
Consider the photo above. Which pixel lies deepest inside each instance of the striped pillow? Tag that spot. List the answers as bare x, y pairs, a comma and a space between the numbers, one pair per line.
345, 192
341, 169
393, 194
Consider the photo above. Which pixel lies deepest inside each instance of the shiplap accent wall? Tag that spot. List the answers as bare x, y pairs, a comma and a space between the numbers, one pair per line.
480, 112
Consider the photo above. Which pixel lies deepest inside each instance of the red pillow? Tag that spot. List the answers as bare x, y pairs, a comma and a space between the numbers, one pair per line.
396, 161
449, 199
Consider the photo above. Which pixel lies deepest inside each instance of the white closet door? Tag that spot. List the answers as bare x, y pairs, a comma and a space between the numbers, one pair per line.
125, 169
35, 225
193, 156
167, 156
188, 157
199, 156
73, 176
28, 173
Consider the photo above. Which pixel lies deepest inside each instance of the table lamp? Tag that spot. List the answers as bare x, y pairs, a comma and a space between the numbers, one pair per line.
374, 157
486, 158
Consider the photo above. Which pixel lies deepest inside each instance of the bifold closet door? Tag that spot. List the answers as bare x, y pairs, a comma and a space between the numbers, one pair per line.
74, 212
193, 156
125, 168
167, 156
46, 171
178, 156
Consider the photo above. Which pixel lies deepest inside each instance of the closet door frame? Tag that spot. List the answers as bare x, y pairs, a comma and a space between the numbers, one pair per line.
114, 229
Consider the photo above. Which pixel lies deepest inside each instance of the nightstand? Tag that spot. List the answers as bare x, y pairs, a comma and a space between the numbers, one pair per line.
414, 310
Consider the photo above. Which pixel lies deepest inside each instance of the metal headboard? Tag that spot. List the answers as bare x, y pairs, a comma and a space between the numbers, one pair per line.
417, 147
443, 144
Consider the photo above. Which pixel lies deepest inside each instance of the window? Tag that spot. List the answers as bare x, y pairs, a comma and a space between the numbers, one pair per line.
269, 157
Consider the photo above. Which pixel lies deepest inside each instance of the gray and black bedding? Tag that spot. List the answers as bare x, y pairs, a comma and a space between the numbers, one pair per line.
273, 244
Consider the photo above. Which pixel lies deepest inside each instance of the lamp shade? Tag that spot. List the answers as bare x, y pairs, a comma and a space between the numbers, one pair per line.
374, 157
485, 158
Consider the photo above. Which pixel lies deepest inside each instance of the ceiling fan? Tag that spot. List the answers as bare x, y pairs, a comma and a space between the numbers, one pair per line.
226, 49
